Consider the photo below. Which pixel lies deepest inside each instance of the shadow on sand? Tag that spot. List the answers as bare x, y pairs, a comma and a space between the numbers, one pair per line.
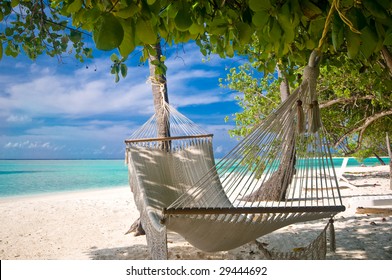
360, 237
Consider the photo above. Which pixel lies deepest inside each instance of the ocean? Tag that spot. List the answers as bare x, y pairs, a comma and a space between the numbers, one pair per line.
27, 177
32, 177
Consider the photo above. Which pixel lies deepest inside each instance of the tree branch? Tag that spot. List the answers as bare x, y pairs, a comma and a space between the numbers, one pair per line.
361, 129
345, 100
68, 27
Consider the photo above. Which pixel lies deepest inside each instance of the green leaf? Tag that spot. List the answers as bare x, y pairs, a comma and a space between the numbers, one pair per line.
1, 50
388, 38
353, 43
145, 32
128, 11
75, 6
259, 5
284, 19
114, 58
108, 33
155, 62
12, 50
375, 9
123, 70
337, 32
229, 50
271, 65
310, 10
244, 33
128, 43
316, 28
9, 31
260, 18
275, 31
75, 36
14, 3
369, 40
183, 20
88, 52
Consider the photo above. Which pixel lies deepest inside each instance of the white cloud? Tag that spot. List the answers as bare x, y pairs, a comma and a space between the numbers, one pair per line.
31, 145
47, 92
71, 107
219, 149
18, 119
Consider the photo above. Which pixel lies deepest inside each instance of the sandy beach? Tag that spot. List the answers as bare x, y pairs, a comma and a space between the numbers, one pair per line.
90, 225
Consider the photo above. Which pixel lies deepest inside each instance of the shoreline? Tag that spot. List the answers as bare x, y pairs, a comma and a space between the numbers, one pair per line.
90, 225
61, 192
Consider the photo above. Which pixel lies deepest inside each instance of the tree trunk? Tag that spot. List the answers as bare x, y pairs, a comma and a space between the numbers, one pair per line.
379, 159
284, 86
160, 96
275, 187
159, 92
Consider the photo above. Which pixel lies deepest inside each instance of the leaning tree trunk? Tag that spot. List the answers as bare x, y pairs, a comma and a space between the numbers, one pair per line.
160, 96
275, 187
379, 159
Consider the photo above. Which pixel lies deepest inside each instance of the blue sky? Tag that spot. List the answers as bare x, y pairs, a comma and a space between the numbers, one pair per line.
72, 110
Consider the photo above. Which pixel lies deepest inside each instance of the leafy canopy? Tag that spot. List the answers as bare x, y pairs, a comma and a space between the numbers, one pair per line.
269, 33
355, 100
285, 29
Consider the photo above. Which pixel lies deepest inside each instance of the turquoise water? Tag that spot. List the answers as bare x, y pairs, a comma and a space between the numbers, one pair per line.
26, 177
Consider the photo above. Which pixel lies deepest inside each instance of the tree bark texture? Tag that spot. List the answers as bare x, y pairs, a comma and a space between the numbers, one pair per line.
160, 97
160, 94
275, 187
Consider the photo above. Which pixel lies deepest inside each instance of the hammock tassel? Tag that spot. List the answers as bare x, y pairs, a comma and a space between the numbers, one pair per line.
332, 241
300, 117
314, 117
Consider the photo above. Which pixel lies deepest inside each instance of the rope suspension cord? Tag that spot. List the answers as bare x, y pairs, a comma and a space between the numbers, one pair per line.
313, 106
335, 6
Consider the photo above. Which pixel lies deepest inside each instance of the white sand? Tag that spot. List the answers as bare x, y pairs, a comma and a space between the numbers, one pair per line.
91, 225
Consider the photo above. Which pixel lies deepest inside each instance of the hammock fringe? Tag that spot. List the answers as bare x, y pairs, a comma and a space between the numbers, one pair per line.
316, 250
332, 237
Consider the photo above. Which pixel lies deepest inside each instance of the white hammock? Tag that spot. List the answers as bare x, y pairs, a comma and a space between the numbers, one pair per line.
281, 173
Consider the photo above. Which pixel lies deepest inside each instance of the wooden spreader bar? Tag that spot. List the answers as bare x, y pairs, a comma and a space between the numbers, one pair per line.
167, 138
253, 210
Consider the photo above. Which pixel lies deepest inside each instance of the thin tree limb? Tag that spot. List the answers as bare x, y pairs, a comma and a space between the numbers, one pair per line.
345, 100
361, 129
